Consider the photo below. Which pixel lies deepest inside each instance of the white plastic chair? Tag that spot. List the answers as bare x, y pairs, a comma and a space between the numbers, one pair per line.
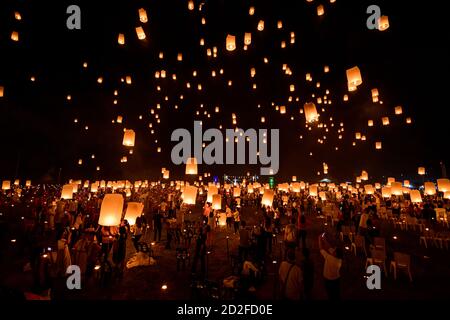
402, 261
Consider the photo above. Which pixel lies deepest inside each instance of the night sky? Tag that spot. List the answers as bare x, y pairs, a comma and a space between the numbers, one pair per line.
408, 63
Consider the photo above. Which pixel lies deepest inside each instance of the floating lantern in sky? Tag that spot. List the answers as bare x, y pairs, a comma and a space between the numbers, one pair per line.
390, 180
396, 188
378, 145
398, 110
311, 114
261, 25
421, 171
354, 78
370, 123
189, 195
383, 23
320, 10
166, 174
129, 138
247, 38
236, 192
191, 166
15, 36
251, 11
143, 15
2, 91
313, 191
385, 121
408, 120
140, 33
17, 16
231, 42
121, 39
415, 196
111, 210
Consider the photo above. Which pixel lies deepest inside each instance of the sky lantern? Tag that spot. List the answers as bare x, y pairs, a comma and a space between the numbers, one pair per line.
231, 42
67, 192
396, 188
386, 192
212, 190
311, 114
370, 123
415, 196
140, 33
377, 186
345, 97
15, 36
247, 38
368, 189
354, 78
421, 171
191, 166
385, 121
2, 91
191, 5
251, 11
408, 120
443, 185
111, 210
134, 210
322, 196
447, 195
398, 110
166, 174
267, 198
121, 39
364, 175
406, 183
320, 10
294, 178
28, 183
94, 187
6, 185
296, 187
189, 195
378, 145
383, 23
429, 188
143, 15
236, 192
129, 138
261, 25
217, 202
313, 191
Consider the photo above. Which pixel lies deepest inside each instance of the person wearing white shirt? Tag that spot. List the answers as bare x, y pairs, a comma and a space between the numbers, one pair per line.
290, 276
331, 268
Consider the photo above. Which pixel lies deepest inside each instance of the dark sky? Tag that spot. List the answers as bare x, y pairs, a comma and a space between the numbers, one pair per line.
408, 63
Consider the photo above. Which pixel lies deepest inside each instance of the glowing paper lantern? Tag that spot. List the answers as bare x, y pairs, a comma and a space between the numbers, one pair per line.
267, 198
447, 195
166, 174
354, 78
111, 210
6, 185
406, 183
129, 138
415, 196
2, 91
311, 114
134, 210
322, 196
222, 219
140, 33
294, 178
236, 192
377, 186
368, 188
296, 187
313, 191
429, 188
67, 192
320, 10
15, 36
94, 188
261, 25
398, 110
378, 145
28, 183
189, 195
370, 123
121, 39
364, 175
385, 121
383, 23
386, 192
231, 42
212, 190
191, 166
396, 188
421, 171
143, 15
191, 5
217, 202
443, 185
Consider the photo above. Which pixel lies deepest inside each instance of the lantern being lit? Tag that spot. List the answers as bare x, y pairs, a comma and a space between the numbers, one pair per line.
129, 138
386, 192
134, 210
368, 188
189, 195
191, 166
443, 185
217, 202
231, 42
429, 188
267, 198
415, 196
67, 192
396, 188
111, 210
